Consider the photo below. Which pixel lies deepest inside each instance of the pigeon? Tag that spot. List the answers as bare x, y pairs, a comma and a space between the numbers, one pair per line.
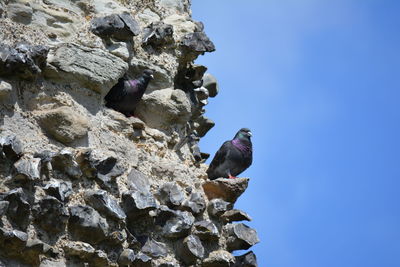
233, 157
126, 94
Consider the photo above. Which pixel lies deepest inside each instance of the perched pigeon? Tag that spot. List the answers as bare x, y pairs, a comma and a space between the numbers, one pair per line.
126, 94
233, 157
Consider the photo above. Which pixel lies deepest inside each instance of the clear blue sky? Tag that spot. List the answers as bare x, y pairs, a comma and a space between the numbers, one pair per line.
318, 82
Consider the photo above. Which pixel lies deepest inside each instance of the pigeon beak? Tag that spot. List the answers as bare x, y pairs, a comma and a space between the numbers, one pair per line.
250, 134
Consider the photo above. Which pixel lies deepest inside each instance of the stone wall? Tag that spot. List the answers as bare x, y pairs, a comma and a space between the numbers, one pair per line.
83, 185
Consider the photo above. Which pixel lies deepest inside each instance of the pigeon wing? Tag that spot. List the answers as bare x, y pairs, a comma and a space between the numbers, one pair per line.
220, 156
117, 93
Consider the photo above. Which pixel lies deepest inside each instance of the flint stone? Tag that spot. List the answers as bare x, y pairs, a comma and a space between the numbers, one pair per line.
235, 215
198, 42
65, 162
104, 204
19, 209
226, 189
205, 124
59, 189
206, 230
33, 249
158, 34
5, 90
52, 263
87, 253
154, 249
127, 257
13, 242
170, 194
3, 207
137, 181
217, 207
179, 225
142, 260
22, 62
51, 215
247, 260
165, 107
195, 203
191, 249
11, 147
91, 67
135, 203
163, 214
27, 169
87, 225
201, 92
240, 236
219, 258
119, 26
210, 82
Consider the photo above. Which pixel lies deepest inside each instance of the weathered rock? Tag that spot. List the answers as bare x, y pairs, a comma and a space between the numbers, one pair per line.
179, 225
119, 49
137, 203
34, 248
5, 90
217, 207
19, 209
235, 215
162, 79
51, 215
158, 34
154, 249
126, 257
240, 236
119, 26
20, 12
191, 249
104, 204
137, 181
170, 194
91, 67
219, 258
163, 108
205, 124
24, 61
86, 253
52, 263
247, 260
142, 260
59, 189
226, 189
198, 42
12, 242
63, 124
210, 82
65, 162
195, 203
3, 207
11, 147
206, 230
87, 225
27, 169
182, 25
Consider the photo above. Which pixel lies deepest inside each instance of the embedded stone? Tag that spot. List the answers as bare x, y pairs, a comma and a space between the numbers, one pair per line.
19, 209
206, 230
63, 124
226, 189
137, 181
12, 242
3, 207
205, 124
154, 249
27, 168
65, 162
235, 215
51, 215
142, 260
195, 203
158, 34
179, 225
219, 258
127, 257
210, 82
136, 203
247, 260
217, 207
170, 194
191, 249
20, 12
119, 26
198, 42
85, 252
5, 90
59, 189
240, 236
87, 225
104, 204
11, 147
34, 248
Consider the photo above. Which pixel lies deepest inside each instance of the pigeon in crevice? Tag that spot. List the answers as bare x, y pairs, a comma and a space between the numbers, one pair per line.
126, 94
233, 157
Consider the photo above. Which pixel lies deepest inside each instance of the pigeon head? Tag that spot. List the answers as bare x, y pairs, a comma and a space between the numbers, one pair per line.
147, 73
243, 133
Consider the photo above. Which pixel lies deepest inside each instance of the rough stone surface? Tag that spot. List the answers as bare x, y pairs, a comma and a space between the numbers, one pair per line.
5, 90
217, 207
240, 236
206, 230
191, 249
195, 203
179, 225
235, 215
119, 26
247, 260
198, 42
104, 204
51, 215
210, 82
27, 169
226, 189
219, 258
19, 209
59, 189
170, 194
11, 147
154, 249
158, 34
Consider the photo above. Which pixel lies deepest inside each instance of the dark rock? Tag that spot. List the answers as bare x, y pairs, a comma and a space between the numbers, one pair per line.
137, 181
104, 204
198, 42
170, 194
34, 248
24, 61
117, 237
12, 242
86, 253
19, 209
217, 207
191, 249
206, 230
195, 203
119, 26
3, 207
154, 249
240, 236
201, 92
226, 189
158, 34
59, 189
50, 214
219, 258
179, 225
142, 260
163, 214
136, 203
235, 215
65, 162
87, 225
27, 169
127, 257
11, 147
211, 84
205, 124
247, 260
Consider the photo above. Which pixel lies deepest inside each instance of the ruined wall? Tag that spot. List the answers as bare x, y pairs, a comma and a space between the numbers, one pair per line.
83, 185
